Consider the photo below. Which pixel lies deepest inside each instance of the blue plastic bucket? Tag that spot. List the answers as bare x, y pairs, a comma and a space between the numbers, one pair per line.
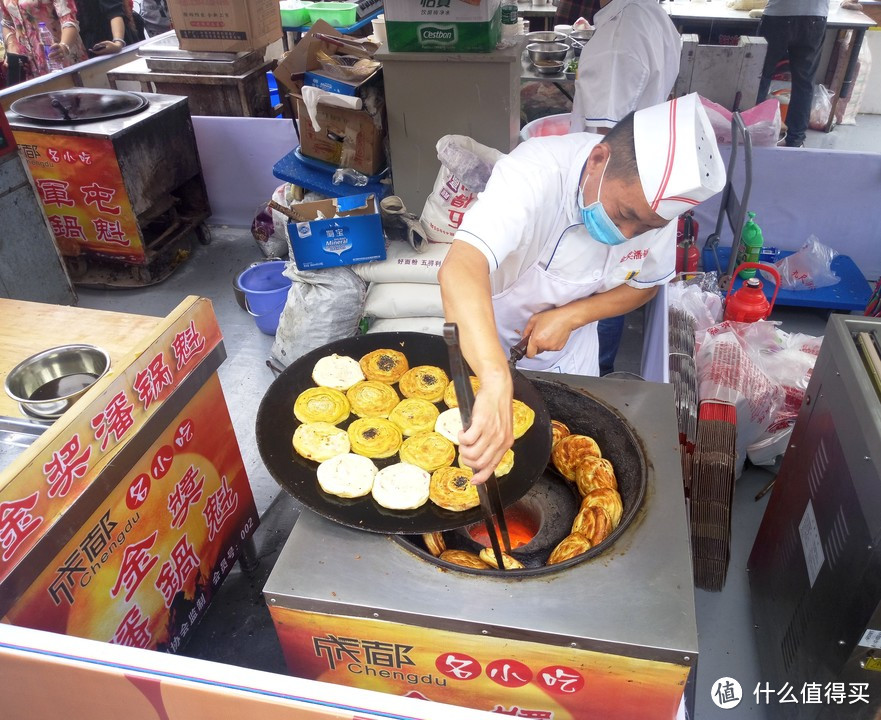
266, 291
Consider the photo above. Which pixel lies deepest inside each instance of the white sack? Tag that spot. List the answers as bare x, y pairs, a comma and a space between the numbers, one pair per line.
403, 300
430, 325
404, 264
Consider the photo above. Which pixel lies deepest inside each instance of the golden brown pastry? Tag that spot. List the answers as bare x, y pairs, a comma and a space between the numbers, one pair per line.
570, 546
464, 558
384, 365
451, 489
593, 473
434, 543
320, 441
450, 392
570, 451
524, 416
489, 557
371, 398
607, 499
558, 431
321, 404
594, 523
414, 416
374, 437
429, 451
505, 464
426, 382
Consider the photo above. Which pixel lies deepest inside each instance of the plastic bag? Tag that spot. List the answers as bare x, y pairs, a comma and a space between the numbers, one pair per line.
762, 122
809, 268
322, 306
465, 168
705, 307
265, 233
821, 107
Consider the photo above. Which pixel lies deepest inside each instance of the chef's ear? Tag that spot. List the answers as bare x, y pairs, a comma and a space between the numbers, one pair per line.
598, 158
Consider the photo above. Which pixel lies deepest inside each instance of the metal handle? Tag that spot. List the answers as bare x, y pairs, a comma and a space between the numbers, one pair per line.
757, 266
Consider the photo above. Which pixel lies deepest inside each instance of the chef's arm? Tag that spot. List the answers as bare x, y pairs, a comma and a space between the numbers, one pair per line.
467, 298
550, 329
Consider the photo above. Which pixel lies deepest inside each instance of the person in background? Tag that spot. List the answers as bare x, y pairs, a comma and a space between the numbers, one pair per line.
795, 30
569, 229
21, 21
107, 26
156, 17
568, 11
630, 63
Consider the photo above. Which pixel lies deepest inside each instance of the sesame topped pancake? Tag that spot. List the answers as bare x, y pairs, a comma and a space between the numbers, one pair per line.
426, 382
384, 365
374, 437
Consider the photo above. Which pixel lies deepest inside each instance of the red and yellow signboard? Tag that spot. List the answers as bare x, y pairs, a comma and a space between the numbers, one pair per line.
508, 677
143, 568
71, 455
83, 192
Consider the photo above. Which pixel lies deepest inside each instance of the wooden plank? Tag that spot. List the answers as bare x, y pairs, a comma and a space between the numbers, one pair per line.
28, 328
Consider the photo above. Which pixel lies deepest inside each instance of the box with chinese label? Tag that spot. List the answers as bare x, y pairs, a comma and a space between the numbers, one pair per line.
427, 26
344, 138
225, 25
321, 80
337, 231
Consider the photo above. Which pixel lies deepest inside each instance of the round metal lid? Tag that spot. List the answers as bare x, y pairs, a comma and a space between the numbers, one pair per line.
79, 105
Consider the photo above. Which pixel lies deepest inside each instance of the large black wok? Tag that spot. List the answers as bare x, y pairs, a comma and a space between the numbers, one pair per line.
276, 424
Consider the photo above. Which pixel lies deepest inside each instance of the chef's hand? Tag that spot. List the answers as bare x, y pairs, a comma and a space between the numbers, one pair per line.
107, 47
491, 433
548, 330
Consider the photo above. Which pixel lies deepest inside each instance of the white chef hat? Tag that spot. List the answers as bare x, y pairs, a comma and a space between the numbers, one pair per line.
677, 155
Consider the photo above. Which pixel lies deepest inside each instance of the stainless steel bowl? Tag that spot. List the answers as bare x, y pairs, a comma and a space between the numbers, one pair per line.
547, 51
545, 36
49, 383
549, 67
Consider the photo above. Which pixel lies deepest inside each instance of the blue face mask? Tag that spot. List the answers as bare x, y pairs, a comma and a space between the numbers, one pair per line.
597, 220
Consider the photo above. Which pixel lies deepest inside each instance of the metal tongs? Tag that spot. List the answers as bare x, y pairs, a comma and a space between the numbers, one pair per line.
488, 492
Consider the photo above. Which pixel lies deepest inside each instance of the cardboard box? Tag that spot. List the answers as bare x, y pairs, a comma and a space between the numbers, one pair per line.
352, 238
347, 138
323, 81
458, 26
225, 25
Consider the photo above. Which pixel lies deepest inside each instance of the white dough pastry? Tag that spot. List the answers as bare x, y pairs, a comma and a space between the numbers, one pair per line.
401, 487
347, 476
449, 424
337, 371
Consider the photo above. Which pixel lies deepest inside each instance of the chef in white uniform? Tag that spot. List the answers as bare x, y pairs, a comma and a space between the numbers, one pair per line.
570, 229
630, 63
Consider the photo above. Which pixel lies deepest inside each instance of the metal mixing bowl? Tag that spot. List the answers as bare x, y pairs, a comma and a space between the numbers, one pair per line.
549, 67
547, 51
545, 36
49, 383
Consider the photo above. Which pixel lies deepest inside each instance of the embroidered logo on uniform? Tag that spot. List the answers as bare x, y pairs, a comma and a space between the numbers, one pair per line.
635, 255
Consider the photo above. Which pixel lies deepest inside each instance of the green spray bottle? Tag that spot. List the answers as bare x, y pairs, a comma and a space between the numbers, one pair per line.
750, 246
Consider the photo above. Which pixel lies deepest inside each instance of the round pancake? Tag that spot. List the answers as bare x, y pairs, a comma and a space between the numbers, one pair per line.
593, 473
347, 476
570, 451
602, 526
414, 416
374, 437
558, 431
451, 489
607, 499
524, 416
320, 441
426, 382
429, 451
401, 487
464, 558
449, 424
570, 546
337, 371
371, 398
434, 543
450, 392
384, 365
489, 557
505, 464
321, 404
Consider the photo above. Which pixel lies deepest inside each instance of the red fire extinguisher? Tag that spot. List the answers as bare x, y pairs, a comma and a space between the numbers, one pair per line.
686, 248
749, 303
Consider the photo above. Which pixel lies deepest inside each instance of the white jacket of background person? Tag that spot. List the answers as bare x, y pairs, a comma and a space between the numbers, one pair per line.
630, 63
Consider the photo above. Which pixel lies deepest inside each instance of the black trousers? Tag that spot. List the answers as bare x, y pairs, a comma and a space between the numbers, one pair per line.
800, 39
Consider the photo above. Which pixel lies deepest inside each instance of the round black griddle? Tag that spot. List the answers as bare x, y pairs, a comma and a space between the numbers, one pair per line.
78, 105
276, 424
